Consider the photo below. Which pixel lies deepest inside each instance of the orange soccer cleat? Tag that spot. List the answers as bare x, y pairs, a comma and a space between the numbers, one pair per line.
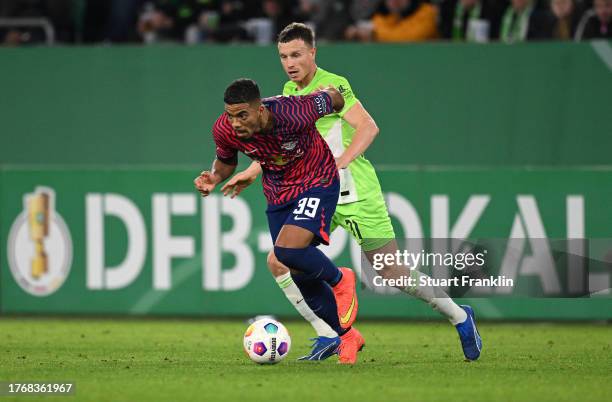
346, 298
350, 343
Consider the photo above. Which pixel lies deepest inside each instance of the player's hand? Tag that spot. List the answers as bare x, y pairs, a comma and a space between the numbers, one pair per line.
335, 95
236, 184
341, 163
204, 183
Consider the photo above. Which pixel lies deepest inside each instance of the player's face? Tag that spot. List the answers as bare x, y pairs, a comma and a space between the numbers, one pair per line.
245, 118
298, 59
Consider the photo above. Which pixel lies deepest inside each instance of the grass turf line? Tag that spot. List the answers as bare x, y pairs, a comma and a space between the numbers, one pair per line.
155, 360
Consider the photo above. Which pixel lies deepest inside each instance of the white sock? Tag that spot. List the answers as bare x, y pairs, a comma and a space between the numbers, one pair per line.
285, 282
437, 299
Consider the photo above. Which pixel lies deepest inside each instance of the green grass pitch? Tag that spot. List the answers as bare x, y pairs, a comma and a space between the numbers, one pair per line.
193, 360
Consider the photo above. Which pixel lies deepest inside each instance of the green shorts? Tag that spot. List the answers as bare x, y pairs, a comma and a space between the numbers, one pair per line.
367, 221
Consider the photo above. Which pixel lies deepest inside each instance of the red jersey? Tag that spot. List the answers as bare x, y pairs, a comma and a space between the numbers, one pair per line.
293, 155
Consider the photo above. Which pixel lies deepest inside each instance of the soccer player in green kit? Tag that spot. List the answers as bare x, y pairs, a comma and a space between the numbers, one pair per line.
361, 206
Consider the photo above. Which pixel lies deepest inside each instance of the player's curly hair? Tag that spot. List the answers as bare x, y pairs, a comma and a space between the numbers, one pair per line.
242, 90
297, 30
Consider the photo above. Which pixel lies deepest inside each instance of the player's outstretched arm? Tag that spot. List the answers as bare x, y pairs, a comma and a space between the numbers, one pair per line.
365, 132
336, 97
206, 182
242, 180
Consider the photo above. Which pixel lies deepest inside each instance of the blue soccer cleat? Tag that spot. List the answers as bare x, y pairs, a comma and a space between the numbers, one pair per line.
471, 342
322, 348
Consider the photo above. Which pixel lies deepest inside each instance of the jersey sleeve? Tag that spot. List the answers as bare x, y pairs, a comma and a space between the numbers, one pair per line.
225, 152
343, 86
314, 106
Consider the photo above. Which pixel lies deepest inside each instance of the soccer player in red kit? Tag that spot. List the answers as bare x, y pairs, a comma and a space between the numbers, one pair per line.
301, 185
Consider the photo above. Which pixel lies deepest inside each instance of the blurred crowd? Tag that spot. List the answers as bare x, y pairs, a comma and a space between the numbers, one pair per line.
259, 21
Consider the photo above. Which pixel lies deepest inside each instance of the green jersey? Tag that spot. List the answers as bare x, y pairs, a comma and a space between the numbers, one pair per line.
358, 181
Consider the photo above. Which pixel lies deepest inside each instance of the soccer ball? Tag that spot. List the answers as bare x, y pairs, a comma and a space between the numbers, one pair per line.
267, 341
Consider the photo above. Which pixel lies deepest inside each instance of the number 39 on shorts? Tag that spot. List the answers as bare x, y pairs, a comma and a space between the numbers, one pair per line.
307, 207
